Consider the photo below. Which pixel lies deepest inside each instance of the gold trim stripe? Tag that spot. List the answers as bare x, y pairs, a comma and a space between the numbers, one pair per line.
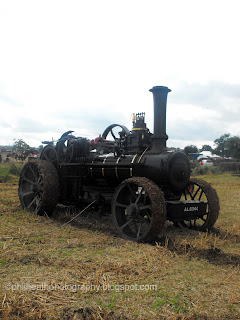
134, 158
142, 155
116, 167
103, 163
130, 169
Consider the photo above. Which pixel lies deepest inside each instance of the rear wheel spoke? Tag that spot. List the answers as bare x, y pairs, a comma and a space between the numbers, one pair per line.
33, 172
37, 181
32, 202
24, 194
46, 157
28, 180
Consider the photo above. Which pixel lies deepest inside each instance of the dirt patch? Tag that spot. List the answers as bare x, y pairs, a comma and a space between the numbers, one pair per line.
90, 314
213, 255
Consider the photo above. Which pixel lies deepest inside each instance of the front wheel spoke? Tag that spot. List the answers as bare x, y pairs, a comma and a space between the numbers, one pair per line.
139, 229
144, 207
190, 194
132, 192
196, 192
200, 196
143, 219
203, 219
139, 196
121, 205
185, 195
135, 225
40, 181
149, 216
127, 223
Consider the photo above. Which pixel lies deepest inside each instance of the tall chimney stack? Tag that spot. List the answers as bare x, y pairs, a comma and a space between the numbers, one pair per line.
160, 105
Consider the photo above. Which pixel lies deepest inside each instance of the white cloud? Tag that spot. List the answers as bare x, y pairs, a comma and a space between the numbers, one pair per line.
85, 64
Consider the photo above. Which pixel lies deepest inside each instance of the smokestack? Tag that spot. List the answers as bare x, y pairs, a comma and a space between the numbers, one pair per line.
160, 105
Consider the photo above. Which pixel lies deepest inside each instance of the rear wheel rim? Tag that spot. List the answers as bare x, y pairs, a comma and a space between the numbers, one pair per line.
39, 187
31, 188
50, 154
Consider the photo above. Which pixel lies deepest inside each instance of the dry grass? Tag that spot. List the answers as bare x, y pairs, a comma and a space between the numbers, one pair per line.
197, 275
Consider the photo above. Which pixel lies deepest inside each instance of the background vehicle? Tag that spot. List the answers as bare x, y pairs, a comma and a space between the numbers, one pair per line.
206, 162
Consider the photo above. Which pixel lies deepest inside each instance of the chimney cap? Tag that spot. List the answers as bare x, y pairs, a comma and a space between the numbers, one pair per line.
160, 89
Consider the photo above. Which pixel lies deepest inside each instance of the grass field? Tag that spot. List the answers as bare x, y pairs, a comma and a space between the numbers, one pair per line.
85, 271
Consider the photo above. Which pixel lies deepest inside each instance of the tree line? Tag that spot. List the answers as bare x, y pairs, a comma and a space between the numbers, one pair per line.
225, 146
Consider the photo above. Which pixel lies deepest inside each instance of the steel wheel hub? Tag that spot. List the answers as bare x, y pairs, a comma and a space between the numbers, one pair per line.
132, 210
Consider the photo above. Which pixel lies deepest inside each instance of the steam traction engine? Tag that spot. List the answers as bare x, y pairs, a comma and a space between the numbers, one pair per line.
144, 181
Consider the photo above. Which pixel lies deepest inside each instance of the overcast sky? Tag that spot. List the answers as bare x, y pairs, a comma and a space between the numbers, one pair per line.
83, 65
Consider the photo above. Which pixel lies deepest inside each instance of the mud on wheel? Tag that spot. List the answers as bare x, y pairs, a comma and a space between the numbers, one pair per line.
39, 187
138, 209
200, 190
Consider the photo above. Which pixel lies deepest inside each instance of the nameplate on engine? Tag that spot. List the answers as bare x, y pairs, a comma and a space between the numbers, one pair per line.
185, 210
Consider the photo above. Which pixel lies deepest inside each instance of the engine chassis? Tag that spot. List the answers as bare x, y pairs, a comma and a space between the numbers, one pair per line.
145, 182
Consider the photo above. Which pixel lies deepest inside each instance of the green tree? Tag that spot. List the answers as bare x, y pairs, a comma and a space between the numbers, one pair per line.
206, 147
21, 145
233, 146
222, 146
190, 149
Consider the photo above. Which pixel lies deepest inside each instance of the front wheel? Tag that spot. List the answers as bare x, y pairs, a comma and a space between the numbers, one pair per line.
38, 188
200, 190
138, 209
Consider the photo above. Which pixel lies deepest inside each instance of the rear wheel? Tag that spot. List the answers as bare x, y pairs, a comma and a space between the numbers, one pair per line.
39, 187
49, 153
138, 209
